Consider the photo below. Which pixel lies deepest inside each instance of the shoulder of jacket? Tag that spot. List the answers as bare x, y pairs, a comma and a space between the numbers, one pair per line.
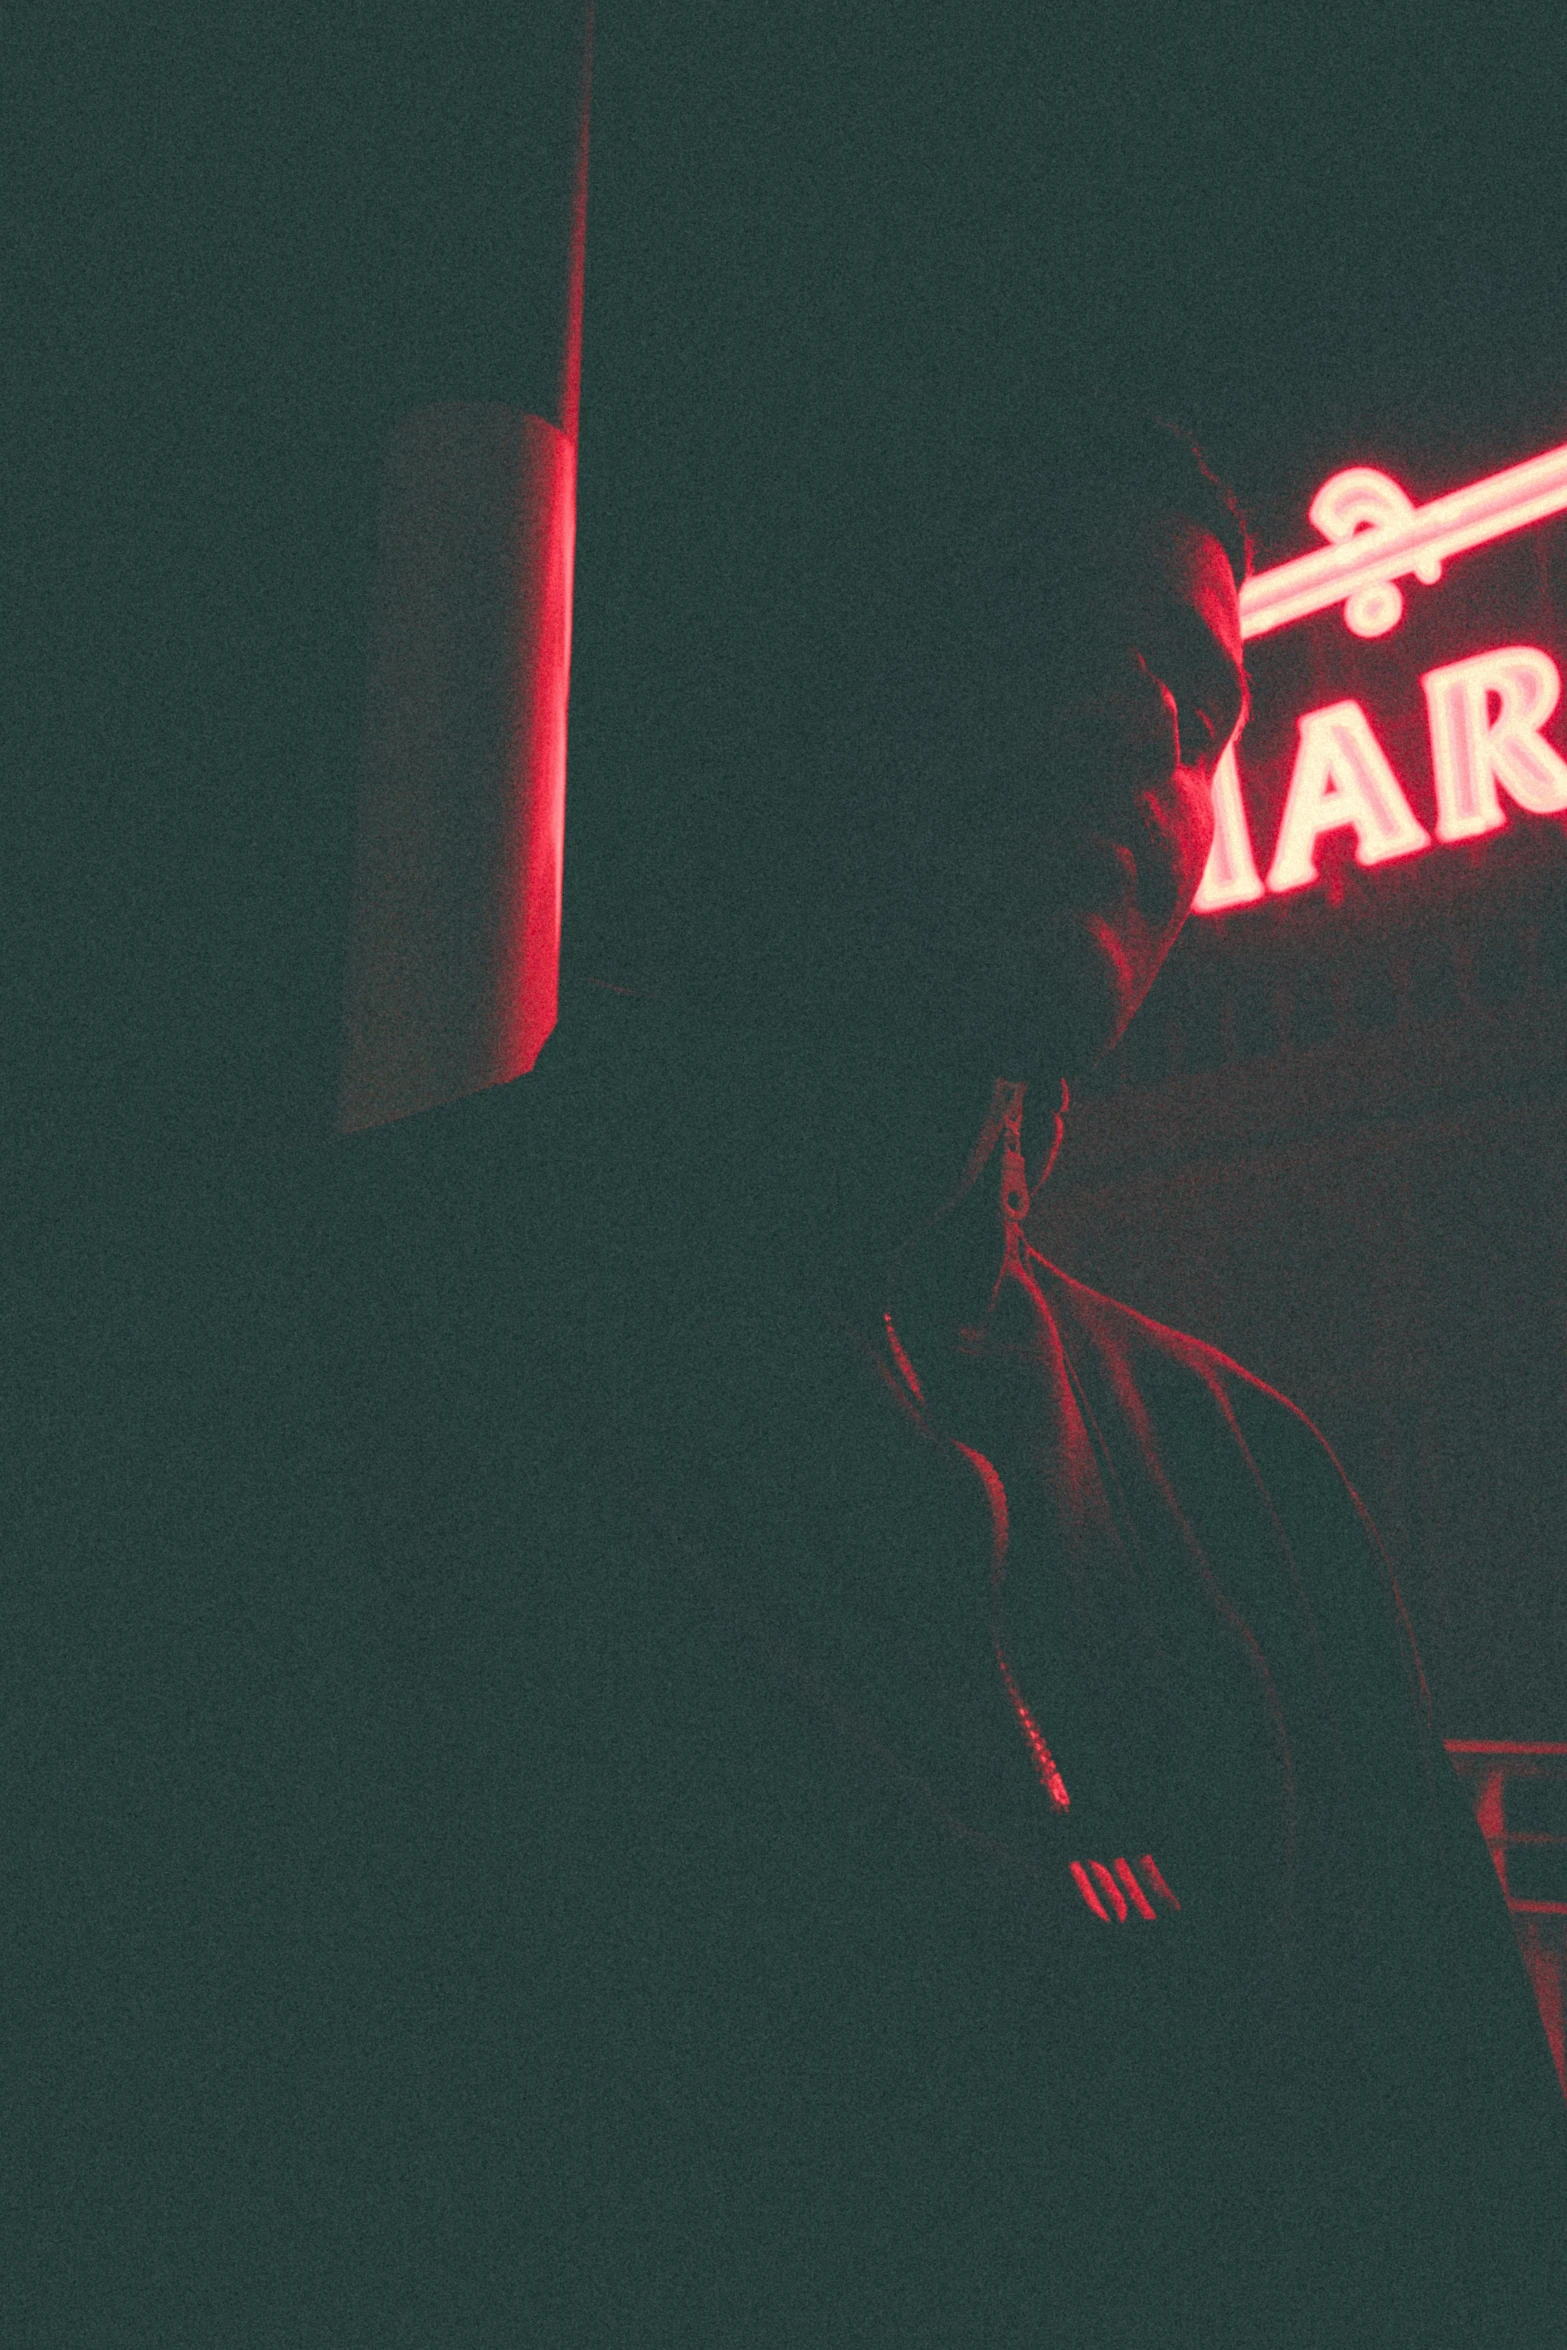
1119, 1330
1171, 1368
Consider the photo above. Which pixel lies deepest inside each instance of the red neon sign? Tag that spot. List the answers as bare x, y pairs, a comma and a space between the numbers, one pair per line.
1485, 714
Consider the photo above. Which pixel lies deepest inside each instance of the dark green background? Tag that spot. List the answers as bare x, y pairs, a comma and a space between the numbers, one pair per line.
240, 241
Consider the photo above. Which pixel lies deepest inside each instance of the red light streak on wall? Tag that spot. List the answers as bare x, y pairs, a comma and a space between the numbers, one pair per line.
1360, 499
452, 968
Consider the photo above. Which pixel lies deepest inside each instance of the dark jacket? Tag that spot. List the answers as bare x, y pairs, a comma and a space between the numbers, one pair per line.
517, 1831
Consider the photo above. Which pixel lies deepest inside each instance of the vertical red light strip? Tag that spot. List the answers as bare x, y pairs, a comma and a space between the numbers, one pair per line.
532, 876
530, 999
452, 971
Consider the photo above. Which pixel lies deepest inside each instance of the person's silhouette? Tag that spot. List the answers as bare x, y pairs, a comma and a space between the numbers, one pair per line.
631, 1723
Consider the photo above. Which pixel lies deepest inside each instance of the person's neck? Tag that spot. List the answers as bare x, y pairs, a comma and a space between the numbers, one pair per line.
856, 1143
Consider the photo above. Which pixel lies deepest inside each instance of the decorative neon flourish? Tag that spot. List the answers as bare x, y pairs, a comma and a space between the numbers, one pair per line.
1380, 537
1358, 499
1486, 714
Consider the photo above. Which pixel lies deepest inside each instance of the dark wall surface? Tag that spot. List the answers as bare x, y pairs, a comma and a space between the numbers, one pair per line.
239, 243
1332, 1141
1316, 240
1377, 1225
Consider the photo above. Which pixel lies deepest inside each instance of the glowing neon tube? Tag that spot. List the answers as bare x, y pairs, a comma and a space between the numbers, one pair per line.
1417, 541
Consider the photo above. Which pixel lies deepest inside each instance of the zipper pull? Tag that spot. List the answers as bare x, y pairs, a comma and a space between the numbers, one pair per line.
1014, 1176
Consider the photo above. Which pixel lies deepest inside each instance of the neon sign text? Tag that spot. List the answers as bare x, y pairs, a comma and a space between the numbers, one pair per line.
1342, 776
1380, 537
1485, 714
1472, 752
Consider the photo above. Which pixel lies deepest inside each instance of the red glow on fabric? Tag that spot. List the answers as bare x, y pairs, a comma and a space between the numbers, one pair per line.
1489, 1768
910, 1375
1081, 1880
1117, 1882
1134, 1892
1145, 1861
1108, 1885
1044, 1761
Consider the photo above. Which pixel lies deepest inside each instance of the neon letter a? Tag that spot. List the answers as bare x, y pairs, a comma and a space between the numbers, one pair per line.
1342, 776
